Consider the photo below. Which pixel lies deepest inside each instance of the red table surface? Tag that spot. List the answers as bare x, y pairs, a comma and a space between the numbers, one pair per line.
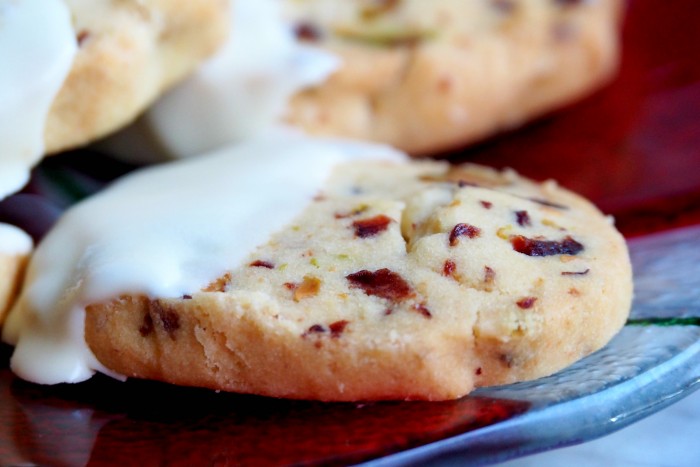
633, 148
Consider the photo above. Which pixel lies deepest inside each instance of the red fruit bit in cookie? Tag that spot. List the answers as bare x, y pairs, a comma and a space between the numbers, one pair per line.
463, 230
526, 303
370, 227
262, 264
535, 247
423, 310
147, 326
523, 218
382, 283
338, 327
316, 328
83, 36
489, 275
167, 317
486, 204
448, 268
307, 32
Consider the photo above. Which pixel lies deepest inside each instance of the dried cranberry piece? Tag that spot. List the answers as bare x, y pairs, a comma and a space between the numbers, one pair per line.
523, 218
83, 36
382, 283
448, 268
489, 275
423, 310
146, 328
526, 303
463, 230
307, 32
316, 328
370, 227
535, 247
338, 327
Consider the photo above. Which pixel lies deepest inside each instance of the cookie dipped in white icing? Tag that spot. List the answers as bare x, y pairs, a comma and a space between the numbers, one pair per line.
37, 46
161, 232
242, 91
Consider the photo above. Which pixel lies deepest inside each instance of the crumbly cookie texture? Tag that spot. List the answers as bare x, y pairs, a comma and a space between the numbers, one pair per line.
130, 52
431, 76
11, 271
399, 281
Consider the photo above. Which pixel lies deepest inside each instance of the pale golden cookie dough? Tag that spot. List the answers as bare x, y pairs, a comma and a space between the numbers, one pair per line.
399, 281
429, 76
11, 273
130, 52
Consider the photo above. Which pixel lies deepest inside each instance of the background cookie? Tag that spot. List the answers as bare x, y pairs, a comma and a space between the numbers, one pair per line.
430, 76
399, 281
129, 53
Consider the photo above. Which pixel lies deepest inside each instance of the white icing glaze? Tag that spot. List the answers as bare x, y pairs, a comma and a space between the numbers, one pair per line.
240, 92
14, 241
162, 232
37, 46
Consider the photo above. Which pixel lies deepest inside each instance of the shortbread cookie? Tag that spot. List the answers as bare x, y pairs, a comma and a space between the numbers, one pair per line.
15, 247
79, 69
430, 76
129, 53
398, 280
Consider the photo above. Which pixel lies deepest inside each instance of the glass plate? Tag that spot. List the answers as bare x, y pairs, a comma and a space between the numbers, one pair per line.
653, 362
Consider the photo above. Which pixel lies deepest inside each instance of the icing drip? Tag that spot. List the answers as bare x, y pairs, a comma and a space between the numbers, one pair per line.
164, 232
34, 66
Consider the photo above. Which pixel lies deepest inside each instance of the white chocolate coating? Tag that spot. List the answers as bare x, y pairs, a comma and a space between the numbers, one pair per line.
37, 46
14, 241
163, 232
242, 91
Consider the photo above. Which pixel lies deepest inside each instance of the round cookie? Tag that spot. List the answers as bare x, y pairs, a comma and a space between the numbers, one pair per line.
430, 76
129, 53
408, 281
347, 274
